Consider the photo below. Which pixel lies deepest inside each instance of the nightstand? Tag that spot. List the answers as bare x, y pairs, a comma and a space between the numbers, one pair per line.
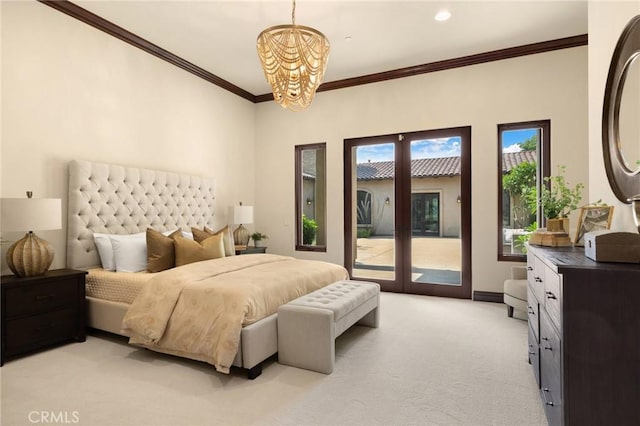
250, 250
41, 311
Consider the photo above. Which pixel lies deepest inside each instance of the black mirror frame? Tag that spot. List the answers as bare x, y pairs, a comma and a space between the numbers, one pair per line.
625, 183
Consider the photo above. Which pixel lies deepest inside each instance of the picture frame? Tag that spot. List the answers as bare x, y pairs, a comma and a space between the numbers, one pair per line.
592, 218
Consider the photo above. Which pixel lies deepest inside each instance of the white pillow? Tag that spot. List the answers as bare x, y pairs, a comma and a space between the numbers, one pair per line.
130, 252
105, 251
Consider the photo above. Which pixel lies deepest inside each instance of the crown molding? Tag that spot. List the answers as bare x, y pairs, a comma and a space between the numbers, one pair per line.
114, 30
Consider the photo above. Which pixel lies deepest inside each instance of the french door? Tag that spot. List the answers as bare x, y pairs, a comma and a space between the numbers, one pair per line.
408, 211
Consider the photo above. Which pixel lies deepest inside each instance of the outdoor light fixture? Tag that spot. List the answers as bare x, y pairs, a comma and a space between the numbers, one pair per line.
458, 200
387, 201
294, 59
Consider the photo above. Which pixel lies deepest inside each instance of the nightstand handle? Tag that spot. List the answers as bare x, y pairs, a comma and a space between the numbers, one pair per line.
45, 296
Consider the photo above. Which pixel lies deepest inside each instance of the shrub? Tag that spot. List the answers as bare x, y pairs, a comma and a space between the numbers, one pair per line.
309, 230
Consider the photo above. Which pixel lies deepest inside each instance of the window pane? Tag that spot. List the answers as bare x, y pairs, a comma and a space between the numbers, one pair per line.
524, 151
310, 197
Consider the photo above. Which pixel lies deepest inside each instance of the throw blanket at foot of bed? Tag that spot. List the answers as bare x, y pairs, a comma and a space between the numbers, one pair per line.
198, 310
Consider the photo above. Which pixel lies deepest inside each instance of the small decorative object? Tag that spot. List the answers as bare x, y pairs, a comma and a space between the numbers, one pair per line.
609, 246
257, 238
30, 256
241, 214
294, 59
556, 203
593, 218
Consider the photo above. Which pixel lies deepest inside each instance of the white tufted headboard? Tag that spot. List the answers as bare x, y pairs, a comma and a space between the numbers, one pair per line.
122, 200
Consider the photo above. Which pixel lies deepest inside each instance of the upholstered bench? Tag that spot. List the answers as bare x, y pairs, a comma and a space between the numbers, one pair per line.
308, 326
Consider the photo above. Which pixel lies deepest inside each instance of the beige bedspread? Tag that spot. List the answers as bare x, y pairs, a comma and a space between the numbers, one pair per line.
200, 309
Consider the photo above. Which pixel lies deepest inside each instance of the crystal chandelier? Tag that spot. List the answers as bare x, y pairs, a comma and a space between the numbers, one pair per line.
294, 58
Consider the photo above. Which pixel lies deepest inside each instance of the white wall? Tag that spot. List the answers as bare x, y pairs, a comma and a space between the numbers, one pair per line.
545, 86
606, 22
70, 91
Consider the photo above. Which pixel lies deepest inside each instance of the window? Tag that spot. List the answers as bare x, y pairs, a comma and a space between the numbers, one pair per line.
311, 197
524, 162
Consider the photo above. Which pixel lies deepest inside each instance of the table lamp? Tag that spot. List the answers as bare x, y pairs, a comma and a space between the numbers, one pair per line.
31, 256
241, 214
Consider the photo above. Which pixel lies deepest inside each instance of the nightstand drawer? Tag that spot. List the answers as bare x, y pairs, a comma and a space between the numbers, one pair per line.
41, 297
33, 332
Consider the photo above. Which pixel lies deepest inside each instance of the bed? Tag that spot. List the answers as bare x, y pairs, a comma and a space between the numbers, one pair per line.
115, 200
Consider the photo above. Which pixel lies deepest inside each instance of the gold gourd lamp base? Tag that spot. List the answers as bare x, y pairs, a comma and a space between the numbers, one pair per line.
241, 236
30, 257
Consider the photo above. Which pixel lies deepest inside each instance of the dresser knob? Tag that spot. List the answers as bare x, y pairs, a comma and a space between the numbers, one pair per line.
550, 295
532, 353
545, 389
538, 279
550, 403
548, 348
529, 268
530, 310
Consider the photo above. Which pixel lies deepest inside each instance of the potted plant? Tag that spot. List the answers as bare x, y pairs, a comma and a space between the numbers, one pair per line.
556, 202
257, 238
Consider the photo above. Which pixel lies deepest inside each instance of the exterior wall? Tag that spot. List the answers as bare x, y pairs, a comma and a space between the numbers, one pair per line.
70, 91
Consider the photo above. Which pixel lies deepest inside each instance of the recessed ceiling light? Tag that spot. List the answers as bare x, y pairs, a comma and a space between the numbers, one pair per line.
443, 15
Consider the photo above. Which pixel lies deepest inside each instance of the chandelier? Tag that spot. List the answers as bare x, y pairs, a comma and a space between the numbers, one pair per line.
294, 58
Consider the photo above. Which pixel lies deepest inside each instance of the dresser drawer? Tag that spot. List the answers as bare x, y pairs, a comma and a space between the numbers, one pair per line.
536, 280
36, 331
550, 370
41, 297
534, 356
553, 296
533, 314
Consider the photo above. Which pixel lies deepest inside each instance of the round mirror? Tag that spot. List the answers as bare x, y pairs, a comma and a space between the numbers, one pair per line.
629, 116
621, 115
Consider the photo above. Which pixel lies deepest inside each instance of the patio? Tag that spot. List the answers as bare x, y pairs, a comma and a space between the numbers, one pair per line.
434, 259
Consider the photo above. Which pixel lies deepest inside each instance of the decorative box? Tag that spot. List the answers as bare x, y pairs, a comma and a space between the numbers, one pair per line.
610, 246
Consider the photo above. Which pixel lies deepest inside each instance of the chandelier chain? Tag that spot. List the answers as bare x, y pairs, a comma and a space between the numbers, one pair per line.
293, 13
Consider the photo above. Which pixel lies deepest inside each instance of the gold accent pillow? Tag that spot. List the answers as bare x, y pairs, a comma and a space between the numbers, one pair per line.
160, 250
190, 251
200, 235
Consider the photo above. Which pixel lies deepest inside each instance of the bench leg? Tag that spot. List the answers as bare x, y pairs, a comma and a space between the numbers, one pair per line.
306, 338
510, 311
371, 319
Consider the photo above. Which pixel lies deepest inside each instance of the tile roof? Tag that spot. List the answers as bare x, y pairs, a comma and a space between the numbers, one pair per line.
436, 167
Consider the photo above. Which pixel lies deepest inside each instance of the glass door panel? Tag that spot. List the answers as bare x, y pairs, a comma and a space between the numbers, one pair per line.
373, 190
436, 255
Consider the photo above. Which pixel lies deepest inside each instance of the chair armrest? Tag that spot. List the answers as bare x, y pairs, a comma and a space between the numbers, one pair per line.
518, 272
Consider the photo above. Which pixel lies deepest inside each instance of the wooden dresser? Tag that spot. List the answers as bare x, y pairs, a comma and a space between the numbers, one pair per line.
584, 337
41, 311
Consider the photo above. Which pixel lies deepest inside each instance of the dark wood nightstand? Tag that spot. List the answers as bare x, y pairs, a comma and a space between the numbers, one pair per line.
250, 250
41, 311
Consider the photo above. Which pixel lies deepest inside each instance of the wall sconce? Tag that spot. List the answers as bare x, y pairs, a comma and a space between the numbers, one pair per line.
458, 200
309, 201
387, 201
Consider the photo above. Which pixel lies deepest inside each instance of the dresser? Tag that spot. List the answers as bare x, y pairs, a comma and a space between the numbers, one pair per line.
584, 337
41, 311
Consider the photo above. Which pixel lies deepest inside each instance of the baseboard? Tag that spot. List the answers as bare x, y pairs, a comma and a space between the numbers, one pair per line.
488, 296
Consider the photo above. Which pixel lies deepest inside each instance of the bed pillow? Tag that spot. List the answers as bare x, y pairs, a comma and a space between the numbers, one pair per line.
105, 251
227, 237
161, 253
190, 251
130, 252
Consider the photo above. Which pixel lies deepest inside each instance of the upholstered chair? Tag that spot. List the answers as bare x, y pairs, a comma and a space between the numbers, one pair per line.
515, 291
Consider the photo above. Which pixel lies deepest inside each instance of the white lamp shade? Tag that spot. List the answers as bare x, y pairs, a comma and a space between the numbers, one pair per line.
30, 214
241, 214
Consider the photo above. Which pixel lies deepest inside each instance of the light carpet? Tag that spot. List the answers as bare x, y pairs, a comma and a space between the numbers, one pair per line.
433, 361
